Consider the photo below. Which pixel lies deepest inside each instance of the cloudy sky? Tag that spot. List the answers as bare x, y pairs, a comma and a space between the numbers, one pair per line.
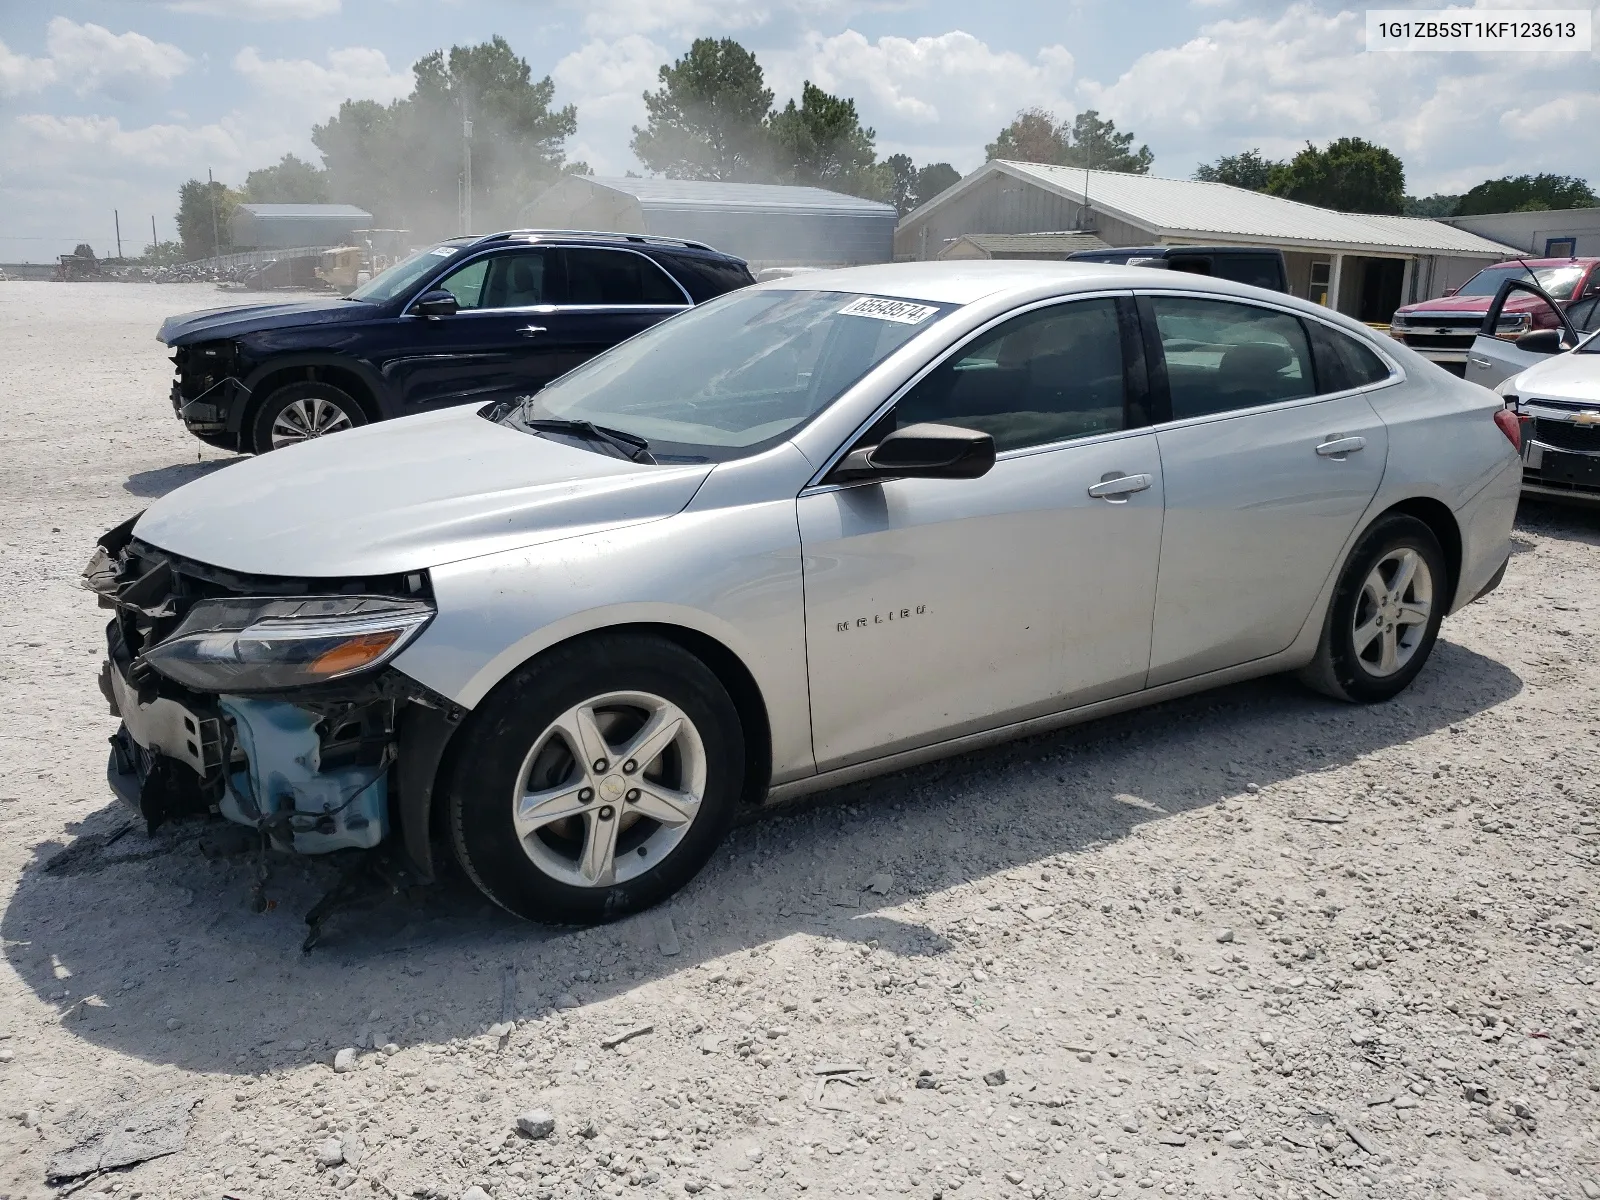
112, 103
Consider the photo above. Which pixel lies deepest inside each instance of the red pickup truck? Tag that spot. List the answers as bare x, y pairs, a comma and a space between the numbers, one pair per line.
1443, 329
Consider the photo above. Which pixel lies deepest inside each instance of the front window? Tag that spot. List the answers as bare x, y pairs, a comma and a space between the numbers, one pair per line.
399, 279
734, 376
1557, 282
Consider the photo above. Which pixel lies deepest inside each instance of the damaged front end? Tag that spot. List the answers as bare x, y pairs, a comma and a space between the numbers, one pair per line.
208, 392
269, 701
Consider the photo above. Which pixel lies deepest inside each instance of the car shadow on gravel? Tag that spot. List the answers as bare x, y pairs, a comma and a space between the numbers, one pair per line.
1568, 522
148, 945
161, 480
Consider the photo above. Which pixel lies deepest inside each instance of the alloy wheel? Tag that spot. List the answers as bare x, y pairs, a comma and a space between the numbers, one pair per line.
1392, 612
609, 789
307, 418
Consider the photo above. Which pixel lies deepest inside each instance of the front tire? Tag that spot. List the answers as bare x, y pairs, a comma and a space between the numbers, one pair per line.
597, 780
298, 412
1385, 615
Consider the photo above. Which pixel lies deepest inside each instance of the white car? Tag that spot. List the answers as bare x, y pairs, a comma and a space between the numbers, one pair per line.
811, 531
1558, 405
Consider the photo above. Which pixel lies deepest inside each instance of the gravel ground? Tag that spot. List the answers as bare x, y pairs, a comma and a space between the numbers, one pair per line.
1252, 943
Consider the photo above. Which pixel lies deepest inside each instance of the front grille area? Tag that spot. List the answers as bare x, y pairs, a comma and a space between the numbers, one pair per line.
1436, 341
1564, 435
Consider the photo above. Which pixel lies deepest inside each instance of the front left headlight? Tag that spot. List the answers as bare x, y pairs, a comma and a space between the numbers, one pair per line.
269, 644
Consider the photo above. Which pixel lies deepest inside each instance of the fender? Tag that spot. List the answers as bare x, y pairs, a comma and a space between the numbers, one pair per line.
315, 358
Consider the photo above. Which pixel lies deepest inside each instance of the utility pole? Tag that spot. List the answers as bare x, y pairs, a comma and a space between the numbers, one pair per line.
216, 238
154, 240
466, 153
117, 217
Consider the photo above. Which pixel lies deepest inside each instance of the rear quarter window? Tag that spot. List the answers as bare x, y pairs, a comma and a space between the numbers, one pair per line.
705, 278
1342, 362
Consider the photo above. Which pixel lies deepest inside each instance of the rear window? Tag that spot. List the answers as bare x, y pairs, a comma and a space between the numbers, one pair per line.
1257, 270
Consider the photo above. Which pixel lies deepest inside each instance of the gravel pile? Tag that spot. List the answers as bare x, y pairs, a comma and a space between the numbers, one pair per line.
1251, 943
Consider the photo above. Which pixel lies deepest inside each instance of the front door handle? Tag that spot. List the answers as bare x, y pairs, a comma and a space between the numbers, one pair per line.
1340, 446
532, 330
1116, 487
1479, 361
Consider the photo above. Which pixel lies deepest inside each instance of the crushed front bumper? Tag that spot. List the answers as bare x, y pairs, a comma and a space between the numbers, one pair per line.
1561, 460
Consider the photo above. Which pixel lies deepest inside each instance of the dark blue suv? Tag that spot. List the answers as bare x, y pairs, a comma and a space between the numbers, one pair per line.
466, 321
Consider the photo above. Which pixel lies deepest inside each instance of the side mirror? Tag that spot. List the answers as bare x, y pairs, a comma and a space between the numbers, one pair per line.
1540, 341
922, 452
438, 303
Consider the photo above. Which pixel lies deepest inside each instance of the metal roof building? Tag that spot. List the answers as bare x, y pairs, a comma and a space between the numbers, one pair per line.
1368, 264
766, 224
285, 226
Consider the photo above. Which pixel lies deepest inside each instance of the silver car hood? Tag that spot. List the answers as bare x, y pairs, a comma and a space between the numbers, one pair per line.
404, 495
1566, 376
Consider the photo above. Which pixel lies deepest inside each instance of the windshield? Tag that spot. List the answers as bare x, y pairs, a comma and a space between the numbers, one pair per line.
736, 375
1558, 282
398, 279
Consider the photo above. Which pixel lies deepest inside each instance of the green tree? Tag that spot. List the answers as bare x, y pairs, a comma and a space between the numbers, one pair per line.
933, 179
162, 254
1436, 205
404, 161
902, 174
1035, 136
1032, 136
202, 209
1351, 175
1527, 193
291, 180
1247, 169
821, 143
708, 120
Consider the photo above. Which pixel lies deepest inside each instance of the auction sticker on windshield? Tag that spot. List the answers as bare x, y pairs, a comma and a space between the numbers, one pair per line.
901, 311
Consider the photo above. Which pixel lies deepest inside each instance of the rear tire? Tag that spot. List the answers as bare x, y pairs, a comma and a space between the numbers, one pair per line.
1384, 618
560, 769
298, 412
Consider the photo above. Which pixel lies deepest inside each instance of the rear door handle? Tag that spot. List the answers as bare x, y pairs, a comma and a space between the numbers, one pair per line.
1115, 487
1338, 447
532, 330
1478, 361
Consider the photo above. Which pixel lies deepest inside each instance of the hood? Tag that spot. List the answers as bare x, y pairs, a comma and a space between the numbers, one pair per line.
212, 324
1516, 302
405, 495
1566, 376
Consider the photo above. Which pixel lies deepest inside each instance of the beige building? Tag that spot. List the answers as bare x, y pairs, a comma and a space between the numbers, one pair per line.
1554, 233
1365, 265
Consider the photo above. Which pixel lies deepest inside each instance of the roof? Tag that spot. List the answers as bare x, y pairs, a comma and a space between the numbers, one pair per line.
1065, 242
764, 197
1194, 208
305, 212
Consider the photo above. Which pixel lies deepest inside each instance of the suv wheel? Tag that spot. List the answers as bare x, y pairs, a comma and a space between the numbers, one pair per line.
597, 781
298, 412
1385, 614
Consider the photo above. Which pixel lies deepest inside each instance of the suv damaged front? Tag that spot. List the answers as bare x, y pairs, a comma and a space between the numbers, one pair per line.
266, 700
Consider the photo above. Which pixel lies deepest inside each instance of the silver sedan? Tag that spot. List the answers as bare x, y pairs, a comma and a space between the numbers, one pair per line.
815, 530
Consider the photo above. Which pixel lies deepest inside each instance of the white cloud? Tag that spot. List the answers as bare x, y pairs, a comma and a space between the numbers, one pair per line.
607, 80
936, 98
121, 65
19, 73
1303, 74
259, 10
302, 92
89, 145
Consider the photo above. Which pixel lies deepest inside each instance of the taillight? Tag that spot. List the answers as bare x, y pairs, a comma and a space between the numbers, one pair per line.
1510, 426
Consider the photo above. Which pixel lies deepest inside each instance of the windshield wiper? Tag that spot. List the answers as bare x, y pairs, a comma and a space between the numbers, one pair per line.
632, 448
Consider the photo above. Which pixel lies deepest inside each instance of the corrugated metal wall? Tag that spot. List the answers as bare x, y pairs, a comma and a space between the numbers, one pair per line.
771, 239
1001, 204
281, 233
